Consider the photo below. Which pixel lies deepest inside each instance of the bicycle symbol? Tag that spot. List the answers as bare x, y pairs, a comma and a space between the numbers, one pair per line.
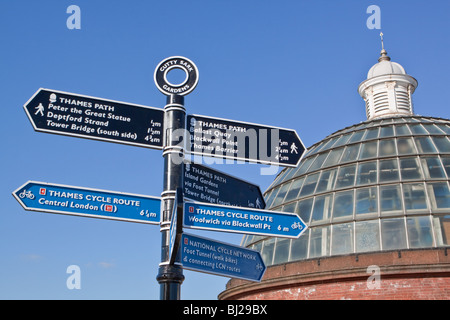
297, 225
27, 194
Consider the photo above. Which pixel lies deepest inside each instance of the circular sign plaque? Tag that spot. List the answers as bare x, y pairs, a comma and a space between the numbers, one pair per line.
183, 88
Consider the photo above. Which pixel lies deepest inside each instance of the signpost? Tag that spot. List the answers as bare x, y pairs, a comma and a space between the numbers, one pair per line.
86, 202
234, 205
242, 220
81, 116
207, 185
209, 256
222, 138
170, 276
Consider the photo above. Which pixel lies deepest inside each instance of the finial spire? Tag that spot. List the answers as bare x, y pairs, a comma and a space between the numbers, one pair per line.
383, 54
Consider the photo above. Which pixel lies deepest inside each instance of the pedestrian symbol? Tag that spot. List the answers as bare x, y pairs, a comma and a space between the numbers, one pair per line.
294, 148
39, 109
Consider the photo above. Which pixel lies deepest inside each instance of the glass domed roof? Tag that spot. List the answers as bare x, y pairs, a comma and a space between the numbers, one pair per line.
379, 185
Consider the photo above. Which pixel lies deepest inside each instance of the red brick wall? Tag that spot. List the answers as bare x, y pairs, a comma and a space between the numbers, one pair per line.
405, 275
390, 289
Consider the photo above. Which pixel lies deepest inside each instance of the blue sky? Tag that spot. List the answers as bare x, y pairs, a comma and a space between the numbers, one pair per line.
292, 64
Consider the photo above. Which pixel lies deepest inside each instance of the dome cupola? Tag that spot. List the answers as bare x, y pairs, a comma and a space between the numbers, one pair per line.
388, 88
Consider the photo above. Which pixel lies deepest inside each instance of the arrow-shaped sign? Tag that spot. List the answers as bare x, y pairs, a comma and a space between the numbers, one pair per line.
222, 138
208, 185
81, 116
210, 256
242, 220
86, 202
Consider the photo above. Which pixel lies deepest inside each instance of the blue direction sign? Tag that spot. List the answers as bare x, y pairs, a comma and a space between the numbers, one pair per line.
81, 116
242, 220
207, 185
222, 138
205, 255
93, 203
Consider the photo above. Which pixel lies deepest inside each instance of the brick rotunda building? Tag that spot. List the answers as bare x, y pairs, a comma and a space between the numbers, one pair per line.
376, 199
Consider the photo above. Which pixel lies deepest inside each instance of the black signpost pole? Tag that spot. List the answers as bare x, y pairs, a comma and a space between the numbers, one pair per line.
170, 277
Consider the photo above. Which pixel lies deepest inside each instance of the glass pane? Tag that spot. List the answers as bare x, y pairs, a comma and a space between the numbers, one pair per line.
326, 180
387, 148
299, 247
279, 177
393, 234
432, 167
367, 236
444, 128
330, 143
346, 176
442, 143
322, 208
399, 120
414, 195
258, 238
405, 146
320, 242
402, 130
419, 232
409, 168
442, 230
281, 251
267, 251
431, 128
424, 145
257, 246
317, 148
304, 209
280, 196
439, 195
289, 207
366, 201
446, 163
371, 134
356, 136
290, 172
343, 204
350, 153
387, 131
269, 199
367, 173
342, 140
390, 200
310, 184
417, 129
306, 164
342, 242
333, 157
388, 170
319, 161
293, 191
368, 150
